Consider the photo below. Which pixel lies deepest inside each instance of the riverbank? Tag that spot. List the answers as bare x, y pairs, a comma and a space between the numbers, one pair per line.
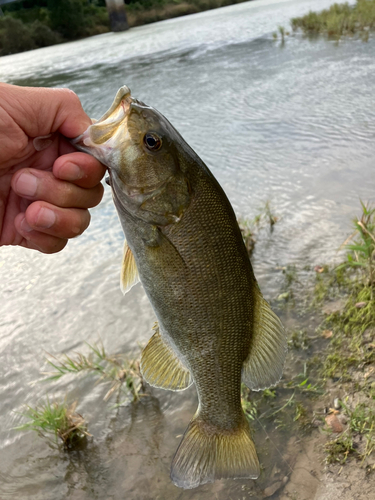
27, 29
339, 20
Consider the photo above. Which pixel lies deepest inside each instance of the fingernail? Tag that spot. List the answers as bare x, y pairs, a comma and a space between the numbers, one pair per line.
24, 226
26, 185
73, 173
46, 218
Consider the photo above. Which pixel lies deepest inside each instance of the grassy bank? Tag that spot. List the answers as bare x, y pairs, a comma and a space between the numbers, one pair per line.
23, 29
339, 20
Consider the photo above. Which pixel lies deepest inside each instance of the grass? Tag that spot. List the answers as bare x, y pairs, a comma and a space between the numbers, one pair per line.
339, 20
250, 228
358, 439
58, 420
123, 375
352, 325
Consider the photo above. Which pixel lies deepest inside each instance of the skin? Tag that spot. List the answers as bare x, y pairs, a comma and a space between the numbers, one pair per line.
44, 195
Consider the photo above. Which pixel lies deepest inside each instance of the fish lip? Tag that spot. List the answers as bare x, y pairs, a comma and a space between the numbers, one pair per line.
85, 142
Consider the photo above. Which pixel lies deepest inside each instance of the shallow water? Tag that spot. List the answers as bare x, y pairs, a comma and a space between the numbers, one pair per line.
292, 123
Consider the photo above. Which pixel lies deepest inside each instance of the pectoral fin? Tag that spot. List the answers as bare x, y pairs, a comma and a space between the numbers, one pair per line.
129, 271
264, 365
161, 367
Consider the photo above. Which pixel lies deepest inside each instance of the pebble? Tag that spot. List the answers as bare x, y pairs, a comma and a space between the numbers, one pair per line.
334, 423
270, 490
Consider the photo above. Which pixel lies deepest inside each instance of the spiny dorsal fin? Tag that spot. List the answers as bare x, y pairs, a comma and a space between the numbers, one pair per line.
129, 271
161, 367
264, 365
207, 453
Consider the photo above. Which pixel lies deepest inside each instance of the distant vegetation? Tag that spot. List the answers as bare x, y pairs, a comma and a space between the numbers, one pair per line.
30, 24
339, 20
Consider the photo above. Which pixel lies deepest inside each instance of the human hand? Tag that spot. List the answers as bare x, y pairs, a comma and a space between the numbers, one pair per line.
44, 195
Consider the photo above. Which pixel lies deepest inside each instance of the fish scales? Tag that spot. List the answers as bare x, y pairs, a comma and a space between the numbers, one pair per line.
183, 242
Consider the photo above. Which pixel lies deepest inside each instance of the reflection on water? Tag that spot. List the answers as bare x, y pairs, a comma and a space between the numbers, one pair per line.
294, 124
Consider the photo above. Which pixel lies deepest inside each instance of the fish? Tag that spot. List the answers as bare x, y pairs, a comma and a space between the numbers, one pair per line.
184, 244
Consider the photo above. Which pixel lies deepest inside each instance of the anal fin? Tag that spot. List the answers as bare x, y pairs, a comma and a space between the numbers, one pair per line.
264, 365
161, 367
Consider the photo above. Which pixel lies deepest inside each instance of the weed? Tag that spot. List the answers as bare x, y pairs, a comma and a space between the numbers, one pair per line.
361, 428
250, 227
282, 33
339, 20
299, 340
121, 373
338, 449
57, 419
361, 253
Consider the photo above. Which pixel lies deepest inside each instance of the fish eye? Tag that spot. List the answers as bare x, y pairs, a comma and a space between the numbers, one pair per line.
152, 141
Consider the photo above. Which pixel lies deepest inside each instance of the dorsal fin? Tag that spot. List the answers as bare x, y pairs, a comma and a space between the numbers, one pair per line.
129, 271
161, 367
264, 365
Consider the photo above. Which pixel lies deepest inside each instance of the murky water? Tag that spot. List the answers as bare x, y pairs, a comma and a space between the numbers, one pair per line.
293, 124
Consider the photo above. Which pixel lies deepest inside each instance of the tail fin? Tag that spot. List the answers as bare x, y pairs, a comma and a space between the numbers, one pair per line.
205, 454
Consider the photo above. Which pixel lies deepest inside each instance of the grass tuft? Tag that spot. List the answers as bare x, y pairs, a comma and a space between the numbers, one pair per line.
123, 374
339, 20
58, 419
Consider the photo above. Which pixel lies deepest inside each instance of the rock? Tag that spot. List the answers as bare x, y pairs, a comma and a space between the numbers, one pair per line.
327, 334
336, 404
318, 269
360, 305
270, 490
334, 423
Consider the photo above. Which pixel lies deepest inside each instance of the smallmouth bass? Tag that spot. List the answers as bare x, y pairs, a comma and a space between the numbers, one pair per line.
184, 244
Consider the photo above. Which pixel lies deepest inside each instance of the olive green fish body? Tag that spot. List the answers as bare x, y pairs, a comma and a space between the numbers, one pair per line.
199, 280
182, 239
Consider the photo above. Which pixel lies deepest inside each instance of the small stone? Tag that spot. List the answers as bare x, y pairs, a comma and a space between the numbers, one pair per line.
336, 404
285, 479
270, 490
318, 269
360, 305
327, 334
334, 423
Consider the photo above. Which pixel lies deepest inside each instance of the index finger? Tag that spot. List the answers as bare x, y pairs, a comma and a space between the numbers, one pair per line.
79, 168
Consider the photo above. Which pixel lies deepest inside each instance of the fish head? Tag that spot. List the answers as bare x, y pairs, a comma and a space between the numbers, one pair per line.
140, 148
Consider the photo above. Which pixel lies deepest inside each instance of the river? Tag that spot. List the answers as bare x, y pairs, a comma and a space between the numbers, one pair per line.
292, 123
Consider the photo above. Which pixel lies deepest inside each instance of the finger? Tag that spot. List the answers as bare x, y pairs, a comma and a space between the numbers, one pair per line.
62, 223
34, 184
40, 111
80, 168
36, 240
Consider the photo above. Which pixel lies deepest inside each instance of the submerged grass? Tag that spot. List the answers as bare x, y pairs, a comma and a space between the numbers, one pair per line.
339, 19
250, 228
123, 374
57, 419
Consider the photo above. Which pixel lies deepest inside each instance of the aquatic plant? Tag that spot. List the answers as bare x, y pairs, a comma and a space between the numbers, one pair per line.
265, 218
59, 419
339, 20
123, 374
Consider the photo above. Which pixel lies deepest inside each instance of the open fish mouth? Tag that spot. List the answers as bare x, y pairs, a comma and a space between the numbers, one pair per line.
100, 138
